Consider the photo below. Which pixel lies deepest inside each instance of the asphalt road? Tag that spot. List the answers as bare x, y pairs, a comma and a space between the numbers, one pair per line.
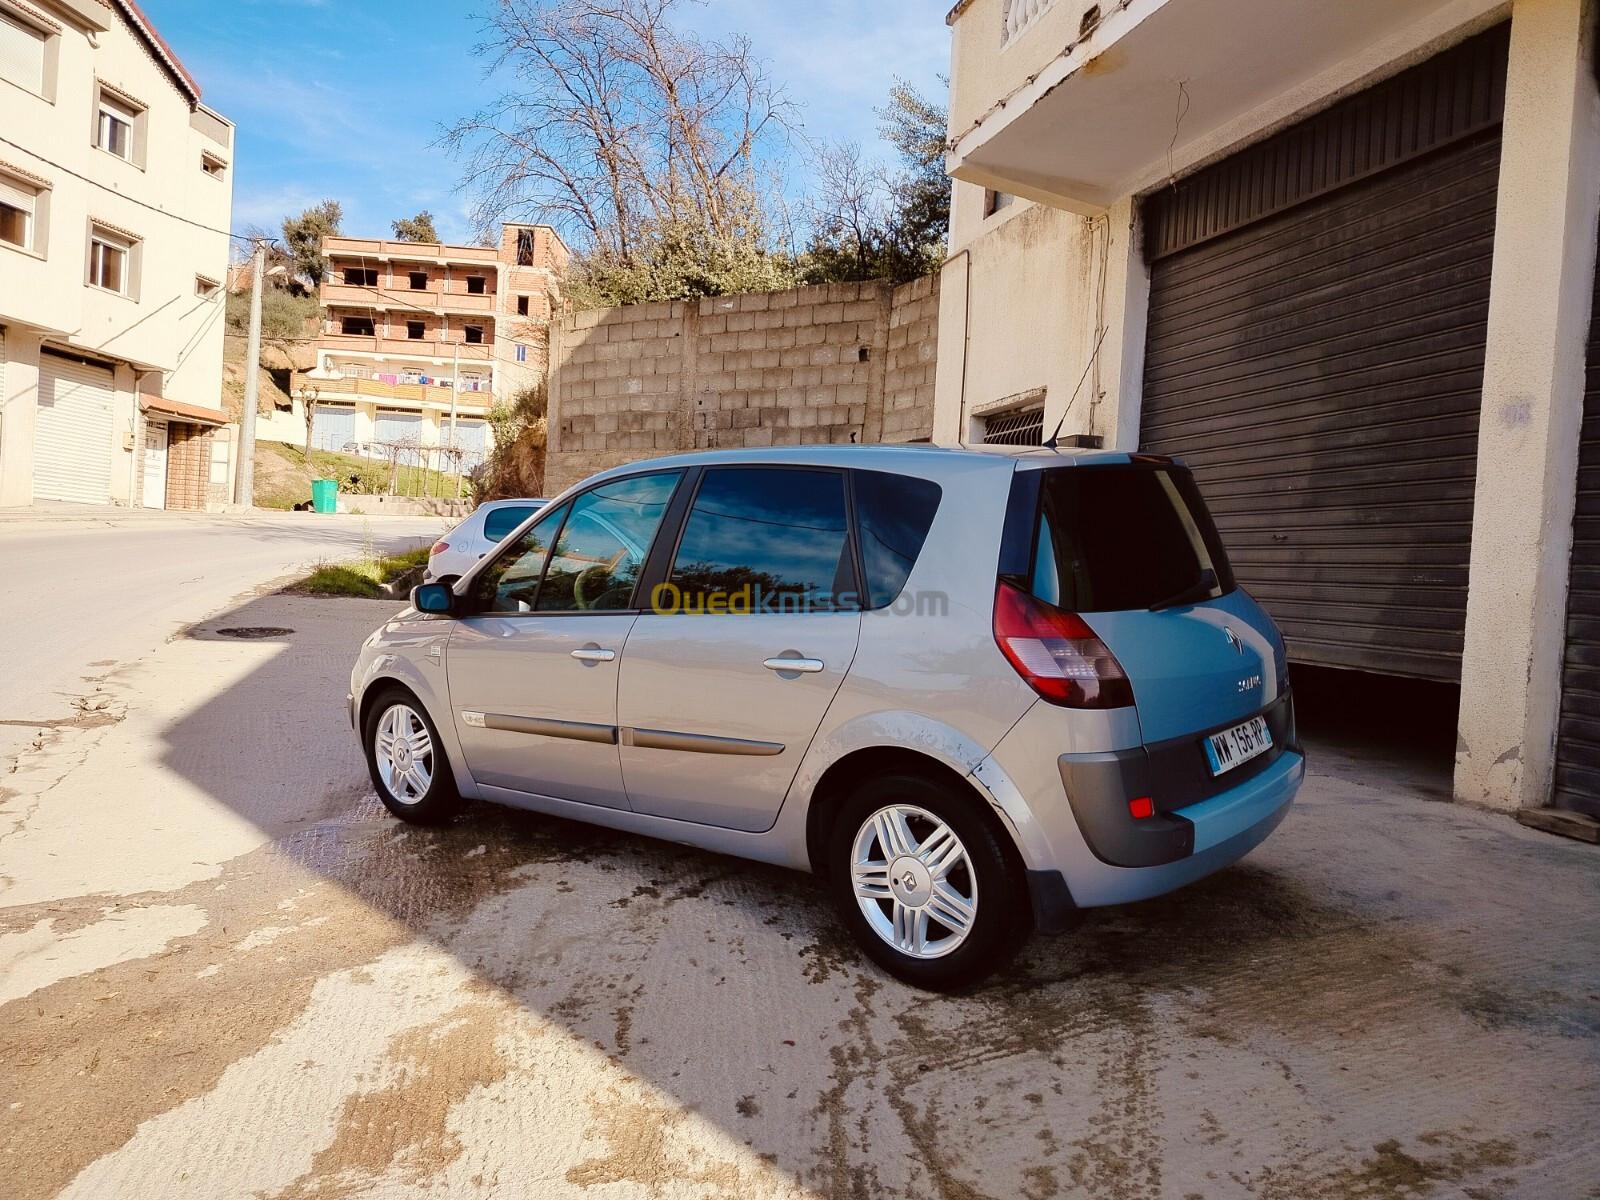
226, 972
85, 589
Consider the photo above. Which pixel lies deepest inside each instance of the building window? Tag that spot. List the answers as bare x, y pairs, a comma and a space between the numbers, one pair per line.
19, 213
1015, 428
473, 333
415, 330
212, 165
475, 285
116, 126
522, 354
22, 56
522, 306
206, 289
524, 247
361, 277
419, 281
357, 327
994, 201
110, 261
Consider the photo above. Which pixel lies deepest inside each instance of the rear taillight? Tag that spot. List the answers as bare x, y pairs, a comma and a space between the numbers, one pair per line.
1056, 653
439, 548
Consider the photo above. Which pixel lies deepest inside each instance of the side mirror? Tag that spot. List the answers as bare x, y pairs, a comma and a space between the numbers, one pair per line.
433, 598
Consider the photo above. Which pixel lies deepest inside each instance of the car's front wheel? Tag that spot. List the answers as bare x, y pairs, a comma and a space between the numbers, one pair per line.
408, 765
925, 884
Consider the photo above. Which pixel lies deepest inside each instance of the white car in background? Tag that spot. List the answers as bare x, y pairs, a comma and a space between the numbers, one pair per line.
454, 554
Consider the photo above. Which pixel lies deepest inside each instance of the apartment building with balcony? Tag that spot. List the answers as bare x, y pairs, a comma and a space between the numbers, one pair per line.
115, 201
420, 339
1342, 259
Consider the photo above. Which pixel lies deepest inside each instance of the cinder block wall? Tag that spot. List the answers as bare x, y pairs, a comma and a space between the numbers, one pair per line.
828, 364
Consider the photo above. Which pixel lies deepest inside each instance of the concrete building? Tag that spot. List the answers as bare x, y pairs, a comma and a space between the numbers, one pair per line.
415, 331
1341, 257
115, 198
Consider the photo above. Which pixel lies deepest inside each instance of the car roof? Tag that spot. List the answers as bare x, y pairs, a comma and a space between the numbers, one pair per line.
488, 504
912, 459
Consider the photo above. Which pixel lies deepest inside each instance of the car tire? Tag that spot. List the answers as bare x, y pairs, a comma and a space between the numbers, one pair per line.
414, 781
947, 904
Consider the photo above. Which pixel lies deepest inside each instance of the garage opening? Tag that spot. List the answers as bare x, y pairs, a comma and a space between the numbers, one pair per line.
1318, 313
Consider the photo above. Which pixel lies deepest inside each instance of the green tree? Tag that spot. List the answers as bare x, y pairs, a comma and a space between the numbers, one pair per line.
303, 236
416, 229
648, 146
871, 223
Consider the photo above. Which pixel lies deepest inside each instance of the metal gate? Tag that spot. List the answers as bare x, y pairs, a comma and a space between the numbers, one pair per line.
1318, 312
332, 427
1577, 784
72, 432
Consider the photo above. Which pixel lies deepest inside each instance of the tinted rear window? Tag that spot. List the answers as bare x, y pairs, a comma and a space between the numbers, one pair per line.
502, 521
1123, 537
893, 515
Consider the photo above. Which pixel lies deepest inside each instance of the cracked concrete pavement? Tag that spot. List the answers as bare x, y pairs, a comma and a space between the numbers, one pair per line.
224, 971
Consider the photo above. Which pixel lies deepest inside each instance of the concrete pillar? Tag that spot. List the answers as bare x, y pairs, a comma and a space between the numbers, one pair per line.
18, 406
950, 378
1544, 263
1119, 378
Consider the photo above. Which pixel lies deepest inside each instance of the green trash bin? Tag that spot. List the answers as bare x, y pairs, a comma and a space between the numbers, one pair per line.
325, 495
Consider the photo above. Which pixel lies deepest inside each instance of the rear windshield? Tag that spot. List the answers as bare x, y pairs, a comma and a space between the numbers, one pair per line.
1115, 538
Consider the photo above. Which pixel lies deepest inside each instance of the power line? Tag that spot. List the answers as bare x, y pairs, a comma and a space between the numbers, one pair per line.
123, 196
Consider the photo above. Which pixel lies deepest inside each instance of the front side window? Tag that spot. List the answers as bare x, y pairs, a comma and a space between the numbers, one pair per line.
114, 132
108, 262
762, 539
600, 541
18, 206
1119, 538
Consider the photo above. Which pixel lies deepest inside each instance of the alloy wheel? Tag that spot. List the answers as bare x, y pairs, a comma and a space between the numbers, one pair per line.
404, 753
914, 881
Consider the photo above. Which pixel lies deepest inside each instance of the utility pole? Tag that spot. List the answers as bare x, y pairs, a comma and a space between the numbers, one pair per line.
244, 485
455, 398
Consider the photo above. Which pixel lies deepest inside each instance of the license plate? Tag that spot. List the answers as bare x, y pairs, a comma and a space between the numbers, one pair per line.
1226, 750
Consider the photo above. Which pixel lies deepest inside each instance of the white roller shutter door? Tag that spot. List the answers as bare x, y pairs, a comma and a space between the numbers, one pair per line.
332, 428
72, 434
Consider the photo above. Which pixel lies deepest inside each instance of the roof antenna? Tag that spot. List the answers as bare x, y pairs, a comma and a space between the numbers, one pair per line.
1093, 354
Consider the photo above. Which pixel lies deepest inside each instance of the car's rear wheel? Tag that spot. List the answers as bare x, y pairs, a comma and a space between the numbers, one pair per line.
408, 765
925, 884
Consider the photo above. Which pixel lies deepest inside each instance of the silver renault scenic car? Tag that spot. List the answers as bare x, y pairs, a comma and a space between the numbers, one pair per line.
977, 690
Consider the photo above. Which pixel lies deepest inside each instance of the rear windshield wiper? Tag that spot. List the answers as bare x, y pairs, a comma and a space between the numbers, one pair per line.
1200, 589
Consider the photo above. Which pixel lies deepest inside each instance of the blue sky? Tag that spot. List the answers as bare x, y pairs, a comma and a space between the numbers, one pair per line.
327, 107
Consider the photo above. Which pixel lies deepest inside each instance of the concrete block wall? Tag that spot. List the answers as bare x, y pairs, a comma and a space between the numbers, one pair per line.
832, 363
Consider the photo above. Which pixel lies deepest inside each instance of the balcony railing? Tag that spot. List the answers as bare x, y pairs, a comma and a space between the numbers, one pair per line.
418, 252
433, 349
402, 297
1020, 14
472, 395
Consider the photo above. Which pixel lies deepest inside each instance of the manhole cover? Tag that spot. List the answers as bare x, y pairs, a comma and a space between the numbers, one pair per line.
254, 631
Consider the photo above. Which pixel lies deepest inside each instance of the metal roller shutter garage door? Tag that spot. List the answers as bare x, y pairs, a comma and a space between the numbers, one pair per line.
332, 428
401, 434
1318, 312
472, 438
1578, 742
72, 432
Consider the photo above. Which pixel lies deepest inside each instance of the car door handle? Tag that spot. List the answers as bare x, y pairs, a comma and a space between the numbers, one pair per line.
804, 666
594, 654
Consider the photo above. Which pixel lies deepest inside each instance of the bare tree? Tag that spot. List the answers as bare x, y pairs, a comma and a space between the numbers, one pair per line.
639, 141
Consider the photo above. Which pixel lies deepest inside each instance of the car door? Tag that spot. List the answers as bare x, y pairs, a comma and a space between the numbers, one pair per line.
740, 647
533, 668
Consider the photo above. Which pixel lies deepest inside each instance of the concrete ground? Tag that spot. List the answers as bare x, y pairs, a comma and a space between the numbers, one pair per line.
109, 585
224, 971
